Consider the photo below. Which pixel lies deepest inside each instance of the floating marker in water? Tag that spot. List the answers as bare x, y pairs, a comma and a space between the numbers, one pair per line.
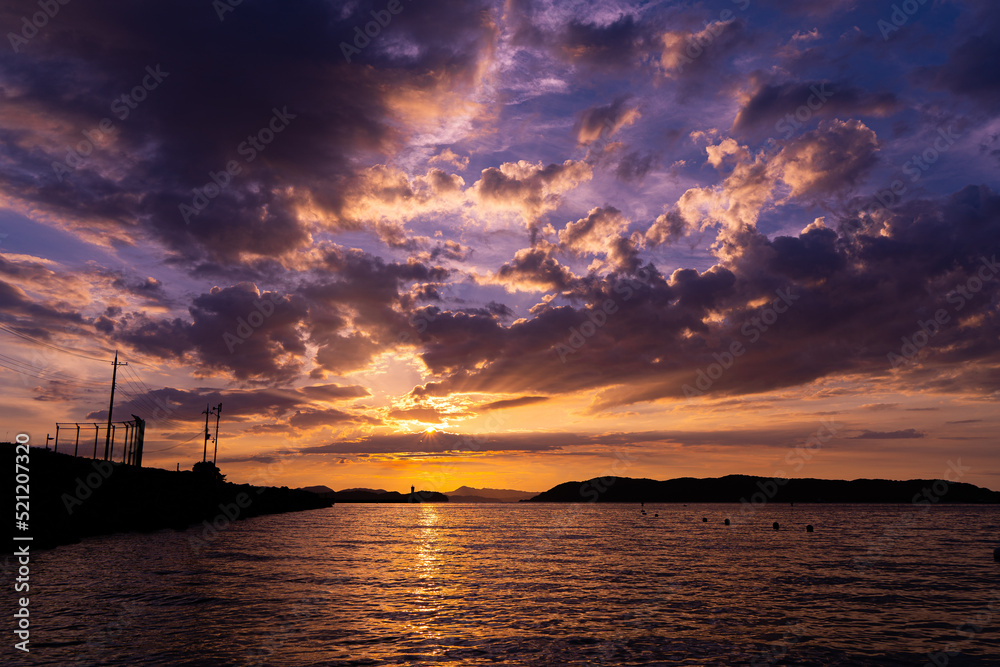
996, 554
809, 528
704, 520
726, 522
656, 514
775, 525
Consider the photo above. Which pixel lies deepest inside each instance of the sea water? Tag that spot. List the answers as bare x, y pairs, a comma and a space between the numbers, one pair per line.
531, 584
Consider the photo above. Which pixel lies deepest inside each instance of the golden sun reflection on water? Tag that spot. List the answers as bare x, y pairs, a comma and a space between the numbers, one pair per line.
459, 585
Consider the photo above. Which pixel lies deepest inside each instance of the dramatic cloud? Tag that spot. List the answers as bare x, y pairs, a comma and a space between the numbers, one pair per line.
680, 219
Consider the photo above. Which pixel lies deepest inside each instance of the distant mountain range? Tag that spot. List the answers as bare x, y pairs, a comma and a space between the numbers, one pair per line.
463, 494
467, 494
376, 495
745, 488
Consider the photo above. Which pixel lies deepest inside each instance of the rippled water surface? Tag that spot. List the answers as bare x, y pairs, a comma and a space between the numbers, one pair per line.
539, 584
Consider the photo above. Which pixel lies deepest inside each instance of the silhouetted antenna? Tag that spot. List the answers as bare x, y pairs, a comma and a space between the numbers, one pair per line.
218, 416
114, 376
204, 452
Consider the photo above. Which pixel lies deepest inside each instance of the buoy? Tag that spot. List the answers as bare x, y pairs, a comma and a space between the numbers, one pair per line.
704, 520
656, 514
775, 525
809, 528
996, 554
726, 522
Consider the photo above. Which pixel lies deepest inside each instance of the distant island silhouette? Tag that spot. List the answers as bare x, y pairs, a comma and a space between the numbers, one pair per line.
463, 494
376, 495
746, 488
468, 494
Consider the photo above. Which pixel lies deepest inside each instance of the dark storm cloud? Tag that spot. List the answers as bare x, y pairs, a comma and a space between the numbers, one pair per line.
441, 442
366, 294
507, 403
770, 103
607, 45
148, 289
181, 405
172, 405
334, 392
845, 301
613, 44
700, 56
534, 268
970, 69
634, 165
236, 329
223, 82
568, 443
307, 419
350, 314
905, 434
854, 289
32, 317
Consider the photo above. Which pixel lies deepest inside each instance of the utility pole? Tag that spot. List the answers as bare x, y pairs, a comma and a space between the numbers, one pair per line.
111, 404
204, 452
218, 416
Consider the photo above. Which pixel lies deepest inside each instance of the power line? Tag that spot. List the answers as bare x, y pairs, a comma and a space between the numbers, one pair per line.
138, 392
50, 345
148, 402
42, 373
153, 451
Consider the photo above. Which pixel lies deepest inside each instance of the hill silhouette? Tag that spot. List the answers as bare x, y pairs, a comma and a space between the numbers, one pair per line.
746, 488
370, 496
72, 498
468, 494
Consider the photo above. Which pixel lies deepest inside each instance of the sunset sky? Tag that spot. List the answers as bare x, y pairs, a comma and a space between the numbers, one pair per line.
508, 244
